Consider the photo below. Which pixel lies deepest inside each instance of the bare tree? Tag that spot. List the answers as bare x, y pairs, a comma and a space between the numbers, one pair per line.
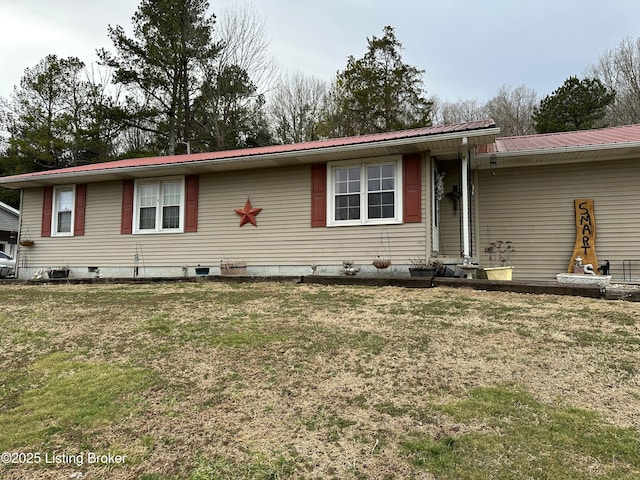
230, 109
512, 110
295, 108
619, 69
242, 34
4, 123
445, 112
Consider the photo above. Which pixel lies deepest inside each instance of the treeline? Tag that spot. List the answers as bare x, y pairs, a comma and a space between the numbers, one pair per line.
607, 94
188, 81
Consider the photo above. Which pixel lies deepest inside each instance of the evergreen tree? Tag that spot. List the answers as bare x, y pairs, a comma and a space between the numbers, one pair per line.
376, 93
576, 105
55, 118
172, 39
225, 108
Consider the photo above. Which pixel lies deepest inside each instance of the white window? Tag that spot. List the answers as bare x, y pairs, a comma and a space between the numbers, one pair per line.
63, 212
159, 206
365, 192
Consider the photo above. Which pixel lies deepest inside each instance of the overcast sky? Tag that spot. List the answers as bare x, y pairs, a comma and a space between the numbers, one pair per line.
468, 48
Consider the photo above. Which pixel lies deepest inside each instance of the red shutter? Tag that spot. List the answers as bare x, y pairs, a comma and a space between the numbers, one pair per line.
47, 211
126, 219
191, 183
319, 195
412, 188
81, 206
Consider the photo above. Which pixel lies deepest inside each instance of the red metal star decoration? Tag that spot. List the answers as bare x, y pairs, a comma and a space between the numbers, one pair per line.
248, 214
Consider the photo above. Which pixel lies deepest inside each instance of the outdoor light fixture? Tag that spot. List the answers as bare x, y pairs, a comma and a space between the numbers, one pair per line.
493, 163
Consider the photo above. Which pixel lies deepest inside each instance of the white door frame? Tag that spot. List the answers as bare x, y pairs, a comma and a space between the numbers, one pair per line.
435, 208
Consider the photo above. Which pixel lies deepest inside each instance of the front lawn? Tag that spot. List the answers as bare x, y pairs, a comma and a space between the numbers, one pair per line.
273, 381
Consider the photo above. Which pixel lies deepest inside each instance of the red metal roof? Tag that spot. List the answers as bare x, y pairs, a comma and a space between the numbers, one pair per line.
581, 138
270, 150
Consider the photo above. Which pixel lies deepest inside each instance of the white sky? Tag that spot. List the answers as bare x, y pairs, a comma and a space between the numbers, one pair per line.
468, 48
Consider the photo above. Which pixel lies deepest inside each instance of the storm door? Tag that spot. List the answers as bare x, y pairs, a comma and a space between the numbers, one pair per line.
437, 192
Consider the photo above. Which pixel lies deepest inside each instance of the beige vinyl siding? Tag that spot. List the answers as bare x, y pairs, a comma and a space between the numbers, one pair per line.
534, 208
283, 236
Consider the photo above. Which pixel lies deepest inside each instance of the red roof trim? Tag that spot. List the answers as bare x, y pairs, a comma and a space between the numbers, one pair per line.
275, 149
626, 134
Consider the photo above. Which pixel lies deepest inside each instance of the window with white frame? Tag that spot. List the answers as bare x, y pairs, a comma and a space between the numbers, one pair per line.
63, 212
365, 192
159, 205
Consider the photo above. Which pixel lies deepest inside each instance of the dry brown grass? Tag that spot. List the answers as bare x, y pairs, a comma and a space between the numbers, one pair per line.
305, 381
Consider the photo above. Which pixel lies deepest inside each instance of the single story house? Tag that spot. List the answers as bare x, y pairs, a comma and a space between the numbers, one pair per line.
441, 193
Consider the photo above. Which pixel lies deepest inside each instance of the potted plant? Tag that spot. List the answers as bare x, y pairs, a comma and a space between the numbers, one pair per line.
499, 253
420, 267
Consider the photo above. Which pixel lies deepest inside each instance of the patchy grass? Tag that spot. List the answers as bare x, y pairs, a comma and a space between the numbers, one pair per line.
58, 396
269, 381
503, 432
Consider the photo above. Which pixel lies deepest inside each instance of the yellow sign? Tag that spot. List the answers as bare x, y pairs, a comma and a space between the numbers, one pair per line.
585, 247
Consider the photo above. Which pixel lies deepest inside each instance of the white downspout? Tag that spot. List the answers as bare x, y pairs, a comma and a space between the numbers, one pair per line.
17, 252
465, 201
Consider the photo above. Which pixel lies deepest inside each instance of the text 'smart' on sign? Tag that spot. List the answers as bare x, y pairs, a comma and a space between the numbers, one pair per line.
585, 234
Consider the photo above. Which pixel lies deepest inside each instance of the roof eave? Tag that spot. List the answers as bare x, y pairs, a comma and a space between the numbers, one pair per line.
238, 163
10, 209
570, 153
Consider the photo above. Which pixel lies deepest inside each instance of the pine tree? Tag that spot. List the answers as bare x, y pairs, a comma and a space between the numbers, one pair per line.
172, 38
576, 105
376, 93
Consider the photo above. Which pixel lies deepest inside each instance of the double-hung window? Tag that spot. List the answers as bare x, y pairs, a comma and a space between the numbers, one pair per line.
159, 206
63, 214
365, 193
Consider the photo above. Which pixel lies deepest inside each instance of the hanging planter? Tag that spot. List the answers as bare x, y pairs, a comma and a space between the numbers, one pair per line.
25, 240
381, 263
383, 256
